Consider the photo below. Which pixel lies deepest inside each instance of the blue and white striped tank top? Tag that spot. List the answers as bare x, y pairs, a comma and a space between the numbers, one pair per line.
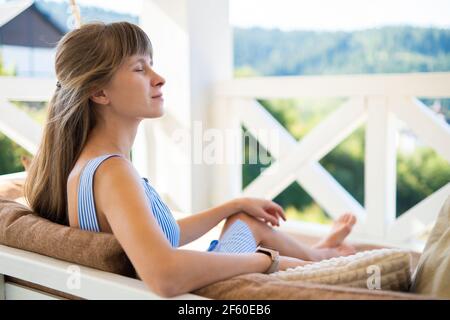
87, 215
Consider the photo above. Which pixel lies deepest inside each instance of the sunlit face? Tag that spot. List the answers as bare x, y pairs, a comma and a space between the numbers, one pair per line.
135, 89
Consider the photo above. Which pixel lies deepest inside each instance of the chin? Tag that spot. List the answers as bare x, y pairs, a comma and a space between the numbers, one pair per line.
156, 114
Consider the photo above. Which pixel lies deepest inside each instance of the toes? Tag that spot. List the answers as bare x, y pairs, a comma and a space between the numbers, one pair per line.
343, 218
348, 218
344, 228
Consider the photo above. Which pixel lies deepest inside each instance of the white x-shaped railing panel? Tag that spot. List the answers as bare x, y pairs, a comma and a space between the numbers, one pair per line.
433, 131
312, 176
27, 89
19, 126
298, 161
417, 219
15, 123
317, 143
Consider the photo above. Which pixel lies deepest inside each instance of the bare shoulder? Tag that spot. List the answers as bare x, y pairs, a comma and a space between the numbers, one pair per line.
114, 167
117, 185
112, 178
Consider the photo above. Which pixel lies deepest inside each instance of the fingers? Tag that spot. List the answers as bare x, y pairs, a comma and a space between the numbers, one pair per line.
270, 211
273, 220
280, 211
270, 218
277, 209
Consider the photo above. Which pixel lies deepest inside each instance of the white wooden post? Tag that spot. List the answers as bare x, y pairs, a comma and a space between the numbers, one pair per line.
227, 174
380, 167
192, 50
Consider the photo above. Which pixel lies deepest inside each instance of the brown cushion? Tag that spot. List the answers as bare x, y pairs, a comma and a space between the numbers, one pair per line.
11, 189
261, 286
21, 228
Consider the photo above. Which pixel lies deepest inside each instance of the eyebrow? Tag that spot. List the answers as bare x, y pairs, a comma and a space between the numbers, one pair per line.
143, 61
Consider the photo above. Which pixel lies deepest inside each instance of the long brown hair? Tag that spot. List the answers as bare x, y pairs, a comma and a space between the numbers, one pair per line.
86, 59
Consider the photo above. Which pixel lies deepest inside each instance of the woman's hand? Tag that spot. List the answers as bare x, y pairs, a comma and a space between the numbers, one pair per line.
262, 209
290, 262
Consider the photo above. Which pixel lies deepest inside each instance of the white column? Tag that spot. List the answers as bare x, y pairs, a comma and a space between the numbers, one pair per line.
226, 174
192, 47
380, 167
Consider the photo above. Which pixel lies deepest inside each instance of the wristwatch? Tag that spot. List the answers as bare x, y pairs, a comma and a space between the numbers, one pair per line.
274, 255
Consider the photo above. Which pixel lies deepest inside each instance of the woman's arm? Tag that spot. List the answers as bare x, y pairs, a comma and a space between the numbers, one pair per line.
196, 269
194, 226
167, 271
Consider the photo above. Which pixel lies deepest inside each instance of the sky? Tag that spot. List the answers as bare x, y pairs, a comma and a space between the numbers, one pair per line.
319, 14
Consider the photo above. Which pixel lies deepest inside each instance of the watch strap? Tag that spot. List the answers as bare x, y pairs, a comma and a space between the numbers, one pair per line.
274, 255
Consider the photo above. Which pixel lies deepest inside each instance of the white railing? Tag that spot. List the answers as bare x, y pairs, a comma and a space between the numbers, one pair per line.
375, 99
15, 123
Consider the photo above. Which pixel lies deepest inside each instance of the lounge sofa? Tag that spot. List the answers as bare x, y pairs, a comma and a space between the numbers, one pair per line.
43, 260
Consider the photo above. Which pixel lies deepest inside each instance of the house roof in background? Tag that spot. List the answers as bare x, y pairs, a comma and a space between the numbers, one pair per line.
10, 10
56, 13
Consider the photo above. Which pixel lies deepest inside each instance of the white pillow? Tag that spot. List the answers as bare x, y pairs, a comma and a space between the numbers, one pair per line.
386, 269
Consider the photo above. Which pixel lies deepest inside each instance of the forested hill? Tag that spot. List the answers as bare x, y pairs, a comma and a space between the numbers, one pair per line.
276, 52
383, 50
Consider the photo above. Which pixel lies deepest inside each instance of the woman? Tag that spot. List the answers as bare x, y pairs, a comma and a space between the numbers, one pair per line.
82, 175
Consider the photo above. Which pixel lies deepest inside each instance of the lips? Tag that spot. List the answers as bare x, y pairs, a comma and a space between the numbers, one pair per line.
157, 96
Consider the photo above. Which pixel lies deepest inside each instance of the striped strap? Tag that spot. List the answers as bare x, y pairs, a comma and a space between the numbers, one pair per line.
163, 215
87, 216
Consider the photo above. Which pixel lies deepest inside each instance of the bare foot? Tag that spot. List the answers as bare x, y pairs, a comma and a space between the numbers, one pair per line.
341, 250
339, 231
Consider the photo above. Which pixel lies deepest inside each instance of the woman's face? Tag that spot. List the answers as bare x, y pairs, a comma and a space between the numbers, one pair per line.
135, 89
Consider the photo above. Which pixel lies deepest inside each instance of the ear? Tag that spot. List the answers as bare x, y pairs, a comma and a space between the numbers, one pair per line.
99, 97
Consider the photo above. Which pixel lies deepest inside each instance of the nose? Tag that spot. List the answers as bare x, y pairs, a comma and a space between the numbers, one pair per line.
157, 80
